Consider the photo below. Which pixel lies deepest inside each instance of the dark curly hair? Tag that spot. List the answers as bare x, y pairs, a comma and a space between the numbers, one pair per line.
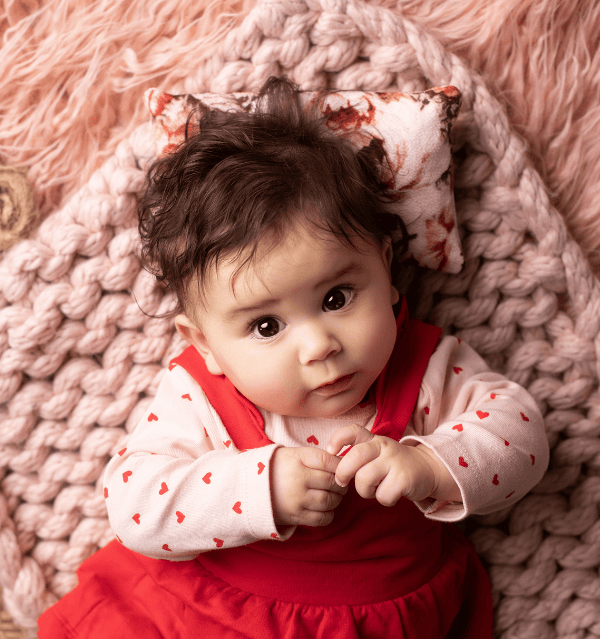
245, 177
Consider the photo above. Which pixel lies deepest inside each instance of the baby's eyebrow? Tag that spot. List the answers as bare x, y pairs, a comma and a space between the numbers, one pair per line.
253, 308
349, 269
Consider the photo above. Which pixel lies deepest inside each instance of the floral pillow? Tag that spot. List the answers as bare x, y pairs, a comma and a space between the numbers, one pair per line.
414, 129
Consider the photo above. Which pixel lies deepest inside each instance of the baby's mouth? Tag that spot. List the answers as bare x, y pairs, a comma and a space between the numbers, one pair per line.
336, 386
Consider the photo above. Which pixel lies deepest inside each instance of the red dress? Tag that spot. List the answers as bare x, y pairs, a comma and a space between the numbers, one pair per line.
374, 572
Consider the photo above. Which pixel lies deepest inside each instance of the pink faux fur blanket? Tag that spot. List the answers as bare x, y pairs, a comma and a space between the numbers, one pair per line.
73, 74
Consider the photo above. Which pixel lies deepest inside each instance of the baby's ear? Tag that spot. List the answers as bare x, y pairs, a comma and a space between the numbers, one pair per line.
194, 336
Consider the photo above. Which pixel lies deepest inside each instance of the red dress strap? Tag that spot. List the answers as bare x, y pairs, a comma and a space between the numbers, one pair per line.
241, 418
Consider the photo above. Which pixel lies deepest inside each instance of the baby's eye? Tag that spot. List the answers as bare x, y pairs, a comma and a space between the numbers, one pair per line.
267, 327
337, 298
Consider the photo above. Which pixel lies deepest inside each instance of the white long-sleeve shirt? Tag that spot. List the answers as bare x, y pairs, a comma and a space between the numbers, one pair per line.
181, 487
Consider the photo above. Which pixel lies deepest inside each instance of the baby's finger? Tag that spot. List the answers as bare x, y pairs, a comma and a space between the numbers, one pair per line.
357, 457
349, 435
321, 500
322, 480
315, 518
318, 459
375, 481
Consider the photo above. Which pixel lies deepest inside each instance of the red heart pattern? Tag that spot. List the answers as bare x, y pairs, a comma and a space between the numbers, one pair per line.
206, 478
218, 541
180, 516
462, 462
312, 440
261, 467
136, 518
493, 396
506, 443
105, 493
186, 396
126, 475
426, 410
275, 535
237, 507
495, 480
227, 443
152, 417
532, 459
166, 547
122, 452
482, 414
458, 427
163, 489
524, 417
457, 369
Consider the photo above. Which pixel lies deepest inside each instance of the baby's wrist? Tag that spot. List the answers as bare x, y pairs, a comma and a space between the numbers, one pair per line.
446, 488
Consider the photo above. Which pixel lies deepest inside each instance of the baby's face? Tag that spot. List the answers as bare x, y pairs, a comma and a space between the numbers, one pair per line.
305, 329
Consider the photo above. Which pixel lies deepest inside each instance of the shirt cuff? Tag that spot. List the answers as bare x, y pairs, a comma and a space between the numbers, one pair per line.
438, 509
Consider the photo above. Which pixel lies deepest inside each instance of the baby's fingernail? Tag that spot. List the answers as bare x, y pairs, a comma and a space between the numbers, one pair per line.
341, 485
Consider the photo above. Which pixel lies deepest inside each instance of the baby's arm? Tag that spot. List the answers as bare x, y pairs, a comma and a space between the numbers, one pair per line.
486, 431
180, 487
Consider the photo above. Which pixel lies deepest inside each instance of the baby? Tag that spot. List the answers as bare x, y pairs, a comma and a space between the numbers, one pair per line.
301, 460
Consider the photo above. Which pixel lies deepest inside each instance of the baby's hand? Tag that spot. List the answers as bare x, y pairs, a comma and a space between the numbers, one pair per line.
303, 487
387, 470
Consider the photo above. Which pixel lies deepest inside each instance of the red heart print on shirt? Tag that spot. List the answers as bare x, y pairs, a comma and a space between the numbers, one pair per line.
136, 518
457, 369
462, 462
180, 516
152, 417
458, 427
493, 396
186, 396
105, 493
482, 414
206, 478
237, 507
163, 489
275, 535
495, 480
426, 410
532, 460
524, 417
166, 547
227, 443
122, 452
218, 541
126, 475
312, 440
261, 467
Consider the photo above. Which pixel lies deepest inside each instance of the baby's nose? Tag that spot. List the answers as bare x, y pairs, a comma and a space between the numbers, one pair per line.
316, 344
